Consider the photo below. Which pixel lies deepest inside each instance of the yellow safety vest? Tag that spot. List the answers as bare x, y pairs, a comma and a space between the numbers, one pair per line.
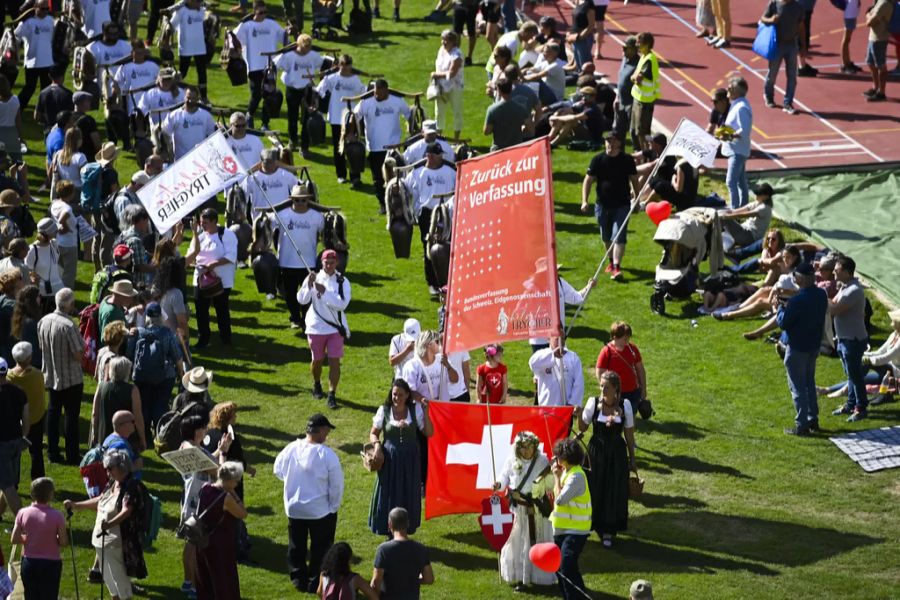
576, 513
647, 91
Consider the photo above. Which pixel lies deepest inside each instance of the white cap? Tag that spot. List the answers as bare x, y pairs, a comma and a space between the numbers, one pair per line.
3, 366
411, 330
429, 126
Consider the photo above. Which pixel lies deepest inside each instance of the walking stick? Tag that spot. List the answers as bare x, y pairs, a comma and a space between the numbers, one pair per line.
69, 513
102, 559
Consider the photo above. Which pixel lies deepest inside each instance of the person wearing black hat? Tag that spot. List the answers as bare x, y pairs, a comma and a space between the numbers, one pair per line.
426, 185
749, 223
313, 490
802, 318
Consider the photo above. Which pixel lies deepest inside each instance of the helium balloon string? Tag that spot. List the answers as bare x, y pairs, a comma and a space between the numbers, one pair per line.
569, 581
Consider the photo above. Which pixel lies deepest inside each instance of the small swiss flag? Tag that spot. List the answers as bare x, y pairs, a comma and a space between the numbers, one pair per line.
496, 521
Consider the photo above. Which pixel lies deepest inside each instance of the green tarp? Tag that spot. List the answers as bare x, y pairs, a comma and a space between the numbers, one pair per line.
857, 213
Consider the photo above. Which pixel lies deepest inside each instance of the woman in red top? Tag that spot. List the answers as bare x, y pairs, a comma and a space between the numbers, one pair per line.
624, 359
491, 383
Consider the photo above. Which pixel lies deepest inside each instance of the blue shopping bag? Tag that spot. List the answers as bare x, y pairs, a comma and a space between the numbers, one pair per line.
766, 42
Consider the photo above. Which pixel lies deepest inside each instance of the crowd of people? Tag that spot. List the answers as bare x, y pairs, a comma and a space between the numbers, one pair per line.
135, 336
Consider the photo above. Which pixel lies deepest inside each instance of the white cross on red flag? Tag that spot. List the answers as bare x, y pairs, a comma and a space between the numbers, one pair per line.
460, 471
502, 284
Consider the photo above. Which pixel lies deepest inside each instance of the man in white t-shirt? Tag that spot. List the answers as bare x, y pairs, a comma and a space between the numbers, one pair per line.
259, 37
403, 346
381, 115
156, 102
270, 186
94, 14
189, 125
247, 146
137, 74
36, 33
557, 368
212, 248
416, 151
343, 83
297, 255
110, 48
548, 72
298, 68
187, 20
459, 390
426, 185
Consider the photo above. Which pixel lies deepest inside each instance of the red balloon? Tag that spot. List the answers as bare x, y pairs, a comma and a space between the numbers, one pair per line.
658, 211
546, 556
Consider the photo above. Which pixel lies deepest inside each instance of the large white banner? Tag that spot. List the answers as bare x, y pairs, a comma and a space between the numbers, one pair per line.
192, 180
693, 143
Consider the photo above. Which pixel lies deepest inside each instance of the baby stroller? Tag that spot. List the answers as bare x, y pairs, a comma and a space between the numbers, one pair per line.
326, 17
687, 239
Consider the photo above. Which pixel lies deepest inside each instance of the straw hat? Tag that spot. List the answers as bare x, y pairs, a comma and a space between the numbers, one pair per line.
107, 154
123, 287
197, 380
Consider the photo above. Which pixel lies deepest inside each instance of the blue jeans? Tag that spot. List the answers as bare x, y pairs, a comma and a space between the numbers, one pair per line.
736, 180
851, 353
787, 53
611, 220
570, 546
582, 49
871, 378
801, 375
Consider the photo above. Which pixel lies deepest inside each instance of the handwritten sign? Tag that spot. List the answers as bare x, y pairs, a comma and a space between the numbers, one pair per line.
190, 460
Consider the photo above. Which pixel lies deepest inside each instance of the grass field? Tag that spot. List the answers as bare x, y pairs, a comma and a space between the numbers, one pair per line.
732, 507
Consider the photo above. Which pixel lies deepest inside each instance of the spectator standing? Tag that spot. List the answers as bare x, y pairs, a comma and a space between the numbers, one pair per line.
403, 346
62, 349
600, 8
504, 119
113, 307
806, 69
124, 428
298, 69
10, 284
722, 12
571, 516
736, 146
91, 142
157, 362
801, 318
313, 489
401, 564
114, 395
30, 380
718, 114
645, 89
53, 99
343, 83
26, 315
848, 308
221, 509
624, 103
448, 76
297, 249
213, 248
41, 530
63, 213
465, 14
10, 120
560, 380
43, 262
787, 16
36, 32
878, 19
851, 13
14, 426
259, 37
624, 359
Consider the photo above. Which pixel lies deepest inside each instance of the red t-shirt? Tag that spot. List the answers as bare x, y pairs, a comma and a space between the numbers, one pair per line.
622, 363
493, 382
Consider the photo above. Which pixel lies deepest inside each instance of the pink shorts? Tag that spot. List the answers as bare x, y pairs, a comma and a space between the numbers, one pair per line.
331, 344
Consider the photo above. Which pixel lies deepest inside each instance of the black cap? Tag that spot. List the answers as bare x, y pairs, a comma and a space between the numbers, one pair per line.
318, 420
659, 138
434, 148
764, 189
804, 269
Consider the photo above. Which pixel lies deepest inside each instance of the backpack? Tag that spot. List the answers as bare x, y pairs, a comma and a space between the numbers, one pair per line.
103, 279
152, 518
92, 472
108, 218
91, 187
149, 358
89, 328
168, 429
340, 589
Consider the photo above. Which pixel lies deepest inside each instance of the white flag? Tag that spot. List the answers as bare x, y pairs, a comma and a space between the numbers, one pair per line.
693, 143
192, 180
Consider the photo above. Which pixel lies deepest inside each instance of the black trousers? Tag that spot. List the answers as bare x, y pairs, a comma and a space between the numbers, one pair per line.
156, 6
297, 110
36, 437
41, 577
256, 80
376, 159
31, 80
320, 533
291, 279
424, 225
340, 163
200, 61
223, 315
294, 8
68, 400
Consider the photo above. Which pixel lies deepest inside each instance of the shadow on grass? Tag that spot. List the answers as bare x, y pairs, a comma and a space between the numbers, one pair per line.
674, 429
692, 464
269, 554
673, 502
665, 559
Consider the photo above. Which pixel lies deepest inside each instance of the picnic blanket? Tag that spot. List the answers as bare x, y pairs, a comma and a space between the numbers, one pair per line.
872, 449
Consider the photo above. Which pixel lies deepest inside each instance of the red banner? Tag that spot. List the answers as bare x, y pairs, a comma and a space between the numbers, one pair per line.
502, 283
460, 471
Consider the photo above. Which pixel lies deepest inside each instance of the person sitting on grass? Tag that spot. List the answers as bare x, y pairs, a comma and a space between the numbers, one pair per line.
584, 121
337, 580
769, 261
746, 225
763, 299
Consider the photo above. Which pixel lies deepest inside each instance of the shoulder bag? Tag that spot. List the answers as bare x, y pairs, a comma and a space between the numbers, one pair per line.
194, 531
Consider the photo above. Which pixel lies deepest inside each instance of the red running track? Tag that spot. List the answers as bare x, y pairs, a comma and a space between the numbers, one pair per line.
835, 125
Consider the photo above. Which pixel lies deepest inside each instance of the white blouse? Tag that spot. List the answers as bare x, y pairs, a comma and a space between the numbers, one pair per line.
590, 409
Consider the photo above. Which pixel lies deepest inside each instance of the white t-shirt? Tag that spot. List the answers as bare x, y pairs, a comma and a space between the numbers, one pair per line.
107, 55
188, 129
382, 120
8, 111
398, 343
425, 183
378, 420
759, 222
276, 186
432, 381
340, 87
297, 69
456, 361
555, 77
416, 151
157, 99
851, 11
44, 260
247, 148
72, 171
132, 76
256, 38
212, 249
188, 23
37, 35
590, 411
444, 62
304, 229
58, 209
95, 14
329, 306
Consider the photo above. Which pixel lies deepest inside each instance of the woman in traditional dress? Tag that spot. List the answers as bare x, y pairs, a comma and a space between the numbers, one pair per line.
399, 481
525, 465
611, 452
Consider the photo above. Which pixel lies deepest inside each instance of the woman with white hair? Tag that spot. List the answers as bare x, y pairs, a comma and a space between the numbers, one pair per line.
119, 525
220, 510
114, 395
31, 381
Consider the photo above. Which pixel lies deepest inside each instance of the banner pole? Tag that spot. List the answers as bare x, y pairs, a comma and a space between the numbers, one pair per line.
491, 441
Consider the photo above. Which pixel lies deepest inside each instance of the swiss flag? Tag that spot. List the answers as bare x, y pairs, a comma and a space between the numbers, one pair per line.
460, 471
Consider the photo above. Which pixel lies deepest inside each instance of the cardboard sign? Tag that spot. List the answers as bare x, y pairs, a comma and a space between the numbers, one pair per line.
190, 460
